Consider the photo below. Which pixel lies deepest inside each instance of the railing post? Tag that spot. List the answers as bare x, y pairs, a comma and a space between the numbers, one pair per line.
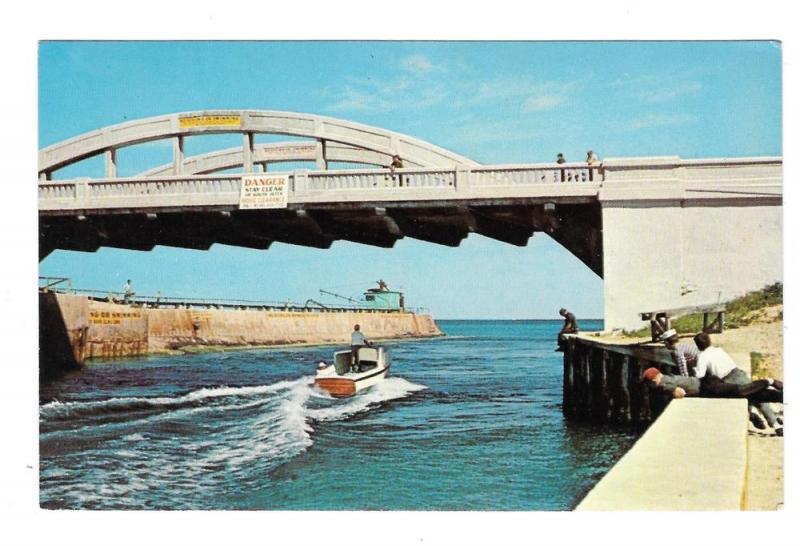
81, 192
300, 181
461, 178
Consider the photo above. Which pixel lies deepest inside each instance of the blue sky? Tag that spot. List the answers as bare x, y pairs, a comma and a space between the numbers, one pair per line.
495, 102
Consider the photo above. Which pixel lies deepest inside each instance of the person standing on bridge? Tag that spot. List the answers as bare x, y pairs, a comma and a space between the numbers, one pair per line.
128, 290
570, 327
396, 163
560, 159
591, 158
357, 341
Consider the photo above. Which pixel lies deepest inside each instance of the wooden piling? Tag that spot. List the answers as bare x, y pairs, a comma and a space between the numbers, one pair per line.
603, 381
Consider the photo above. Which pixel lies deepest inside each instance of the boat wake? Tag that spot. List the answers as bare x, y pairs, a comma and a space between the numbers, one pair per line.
113, 453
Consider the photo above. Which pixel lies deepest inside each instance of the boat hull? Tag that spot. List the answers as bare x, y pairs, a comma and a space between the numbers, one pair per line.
340, 380
340, 386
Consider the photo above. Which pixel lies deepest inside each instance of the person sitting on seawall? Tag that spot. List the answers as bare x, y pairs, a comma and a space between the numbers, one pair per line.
357, 341
570, 327
683, 354
680, 386
715, 362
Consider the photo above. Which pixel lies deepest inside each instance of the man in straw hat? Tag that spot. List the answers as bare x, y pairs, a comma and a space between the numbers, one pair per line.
684, 355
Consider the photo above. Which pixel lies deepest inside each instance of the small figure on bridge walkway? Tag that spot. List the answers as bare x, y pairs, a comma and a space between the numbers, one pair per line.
679, 386
715, 362
560, 159
128, 290
396, 163
683, 354
357, 341
591, 158
570, 327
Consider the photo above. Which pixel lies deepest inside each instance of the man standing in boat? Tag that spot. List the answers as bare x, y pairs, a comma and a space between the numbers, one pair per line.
357, 341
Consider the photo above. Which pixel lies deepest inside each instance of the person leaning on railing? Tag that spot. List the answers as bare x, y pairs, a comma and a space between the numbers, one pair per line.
396, 163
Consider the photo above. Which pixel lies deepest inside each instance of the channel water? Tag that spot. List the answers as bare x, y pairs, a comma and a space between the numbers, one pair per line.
470, 421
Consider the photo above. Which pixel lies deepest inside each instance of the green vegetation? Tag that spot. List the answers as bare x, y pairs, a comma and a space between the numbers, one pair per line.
758, 364
738, 312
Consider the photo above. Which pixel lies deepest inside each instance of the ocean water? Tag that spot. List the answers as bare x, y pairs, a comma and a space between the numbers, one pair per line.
470, 421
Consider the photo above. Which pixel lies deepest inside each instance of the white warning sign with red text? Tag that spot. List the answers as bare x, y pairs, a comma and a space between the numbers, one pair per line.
264, 191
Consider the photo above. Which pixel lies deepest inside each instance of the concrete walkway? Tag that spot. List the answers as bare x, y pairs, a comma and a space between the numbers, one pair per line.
694, 457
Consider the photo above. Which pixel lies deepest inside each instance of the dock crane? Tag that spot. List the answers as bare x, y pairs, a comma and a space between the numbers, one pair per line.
334, 294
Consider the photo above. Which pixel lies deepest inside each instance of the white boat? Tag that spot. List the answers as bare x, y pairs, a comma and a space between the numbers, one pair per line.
339, 379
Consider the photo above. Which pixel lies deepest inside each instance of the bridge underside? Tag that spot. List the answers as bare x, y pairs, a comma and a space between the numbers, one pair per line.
577, 227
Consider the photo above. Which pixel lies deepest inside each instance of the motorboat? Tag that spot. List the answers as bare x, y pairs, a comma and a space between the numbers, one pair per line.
341, 379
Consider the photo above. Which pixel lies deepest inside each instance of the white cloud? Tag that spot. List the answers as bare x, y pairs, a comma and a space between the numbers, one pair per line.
386, 96
649, 121
656, 88
417, 63
413, 87
475, 130
667, 94
538, 103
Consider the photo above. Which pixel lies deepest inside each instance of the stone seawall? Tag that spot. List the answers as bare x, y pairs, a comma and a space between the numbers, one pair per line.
175, 328
95, 329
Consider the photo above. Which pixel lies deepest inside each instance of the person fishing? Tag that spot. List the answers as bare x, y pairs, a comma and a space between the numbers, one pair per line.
570, 327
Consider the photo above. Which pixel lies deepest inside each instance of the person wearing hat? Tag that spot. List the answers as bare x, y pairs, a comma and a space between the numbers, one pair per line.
684, 355
679, 386
570, 327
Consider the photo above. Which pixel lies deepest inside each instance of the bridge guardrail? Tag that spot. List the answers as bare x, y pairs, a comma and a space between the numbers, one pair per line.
210, 190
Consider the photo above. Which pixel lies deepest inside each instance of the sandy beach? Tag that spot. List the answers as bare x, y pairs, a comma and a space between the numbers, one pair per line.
764, 448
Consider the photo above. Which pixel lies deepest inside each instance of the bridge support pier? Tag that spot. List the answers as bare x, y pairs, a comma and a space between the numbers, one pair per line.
667, 244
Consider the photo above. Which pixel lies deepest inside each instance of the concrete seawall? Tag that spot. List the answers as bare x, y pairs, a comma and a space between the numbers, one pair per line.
694, 457
74, 328
175, 328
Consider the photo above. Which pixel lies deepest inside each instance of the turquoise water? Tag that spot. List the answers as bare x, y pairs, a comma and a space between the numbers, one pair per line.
471, 421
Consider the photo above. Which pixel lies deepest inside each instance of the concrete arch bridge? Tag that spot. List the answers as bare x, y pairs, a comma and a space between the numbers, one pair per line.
656, 229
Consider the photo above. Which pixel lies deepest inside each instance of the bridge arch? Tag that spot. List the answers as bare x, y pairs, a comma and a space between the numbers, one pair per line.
277, 152
247, 123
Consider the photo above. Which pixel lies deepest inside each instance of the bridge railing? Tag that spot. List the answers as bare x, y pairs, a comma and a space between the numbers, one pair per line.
381, 178
537, 174
224, 189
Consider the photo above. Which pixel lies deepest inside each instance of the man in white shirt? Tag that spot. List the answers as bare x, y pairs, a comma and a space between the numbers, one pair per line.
714, 361
357, 341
